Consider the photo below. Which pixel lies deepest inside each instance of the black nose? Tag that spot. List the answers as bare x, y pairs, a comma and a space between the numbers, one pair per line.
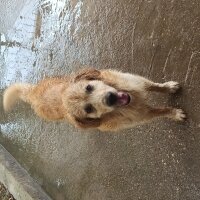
111, 99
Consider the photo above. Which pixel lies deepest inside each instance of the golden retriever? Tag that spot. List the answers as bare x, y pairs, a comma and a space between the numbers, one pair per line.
108, 100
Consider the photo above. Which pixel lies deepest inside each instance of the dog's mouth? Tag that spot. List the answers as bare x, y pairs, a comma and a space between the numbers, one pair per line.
123, 98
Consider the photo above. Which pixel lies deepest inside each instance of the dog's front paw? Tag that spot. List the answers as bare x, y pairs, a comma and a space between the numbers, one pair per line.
173, 86
179, 115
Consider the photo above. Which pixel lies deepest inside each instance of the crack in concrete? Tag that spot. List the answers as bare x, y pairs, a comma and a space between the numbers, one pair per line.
132, 47
151, 63
166, 62
189, 67
192, 76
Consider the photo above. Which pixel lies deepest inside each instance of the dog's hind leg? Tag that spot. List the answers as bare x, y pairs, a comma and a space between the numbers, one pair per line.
167, 87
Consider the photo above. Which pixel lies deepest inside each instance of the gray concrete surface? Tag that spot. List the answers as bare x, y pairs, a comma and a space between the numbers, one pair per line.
158, 39
10, 10
17, 180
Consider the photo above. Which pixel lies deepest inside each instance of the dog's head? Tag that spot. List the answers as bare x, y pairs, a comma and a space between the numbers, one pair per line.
89, 98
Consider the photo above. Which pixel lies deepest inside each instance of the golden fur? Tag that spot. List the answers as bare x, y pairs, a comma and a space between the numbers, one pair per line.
66, 98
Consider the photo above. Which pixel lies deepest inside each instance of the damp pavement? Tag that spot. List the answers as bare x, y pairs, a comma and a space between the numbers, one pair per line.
158, 39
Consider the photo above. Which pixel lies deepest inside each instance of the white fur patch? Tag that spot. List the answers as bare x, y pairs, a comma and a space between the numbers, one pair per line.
179, 115
172, 85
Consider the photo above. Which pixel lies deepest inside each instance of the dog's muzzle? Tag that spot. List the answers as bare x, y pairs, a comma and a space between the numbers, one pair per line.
117, 99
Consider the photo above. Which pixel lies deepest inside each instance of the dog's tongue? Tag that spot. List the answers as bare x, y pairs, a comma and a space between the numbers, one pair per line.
123, 98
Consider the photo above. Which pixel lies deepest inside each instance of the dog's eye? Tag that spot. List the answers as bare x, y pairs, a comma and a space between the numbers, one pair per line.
89, 108
89, 88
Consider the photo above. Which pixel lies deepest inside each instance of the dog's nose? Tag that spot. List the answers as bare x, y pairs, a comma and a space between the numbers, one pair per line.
111, 98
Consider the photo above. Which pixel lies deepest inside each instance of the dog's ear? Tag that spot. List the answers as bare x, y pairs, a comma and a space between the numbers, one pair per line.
88, 122
88, 74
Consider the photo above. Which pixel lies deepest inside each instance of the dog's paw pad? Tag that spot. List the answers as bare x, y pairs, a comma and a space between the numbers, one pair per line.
173, 86
179, 115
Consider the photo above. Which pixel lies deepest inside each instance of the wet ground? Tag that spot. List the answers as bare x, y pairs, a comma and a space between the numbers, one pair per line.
158, 39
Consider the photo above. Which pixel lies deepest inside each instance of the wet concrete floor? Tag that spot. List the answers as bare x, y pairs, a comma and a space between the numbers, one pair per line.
158, 39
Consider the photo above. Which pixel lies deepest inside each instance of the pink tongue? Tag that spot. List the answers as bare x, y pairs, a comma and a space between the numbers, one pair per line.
122, 98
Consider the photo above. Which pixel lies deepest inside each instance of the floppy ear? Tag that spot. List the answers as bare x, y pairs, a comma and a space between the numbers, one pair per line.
88, 122
88, 74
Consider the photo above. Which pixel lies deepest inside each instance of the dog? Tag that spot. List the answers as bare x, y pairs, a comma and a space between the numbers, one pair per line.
107, 100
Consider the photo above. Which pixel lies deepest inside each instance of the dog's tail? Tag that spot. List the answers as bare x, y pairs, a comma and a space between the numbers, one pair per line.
15, 92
